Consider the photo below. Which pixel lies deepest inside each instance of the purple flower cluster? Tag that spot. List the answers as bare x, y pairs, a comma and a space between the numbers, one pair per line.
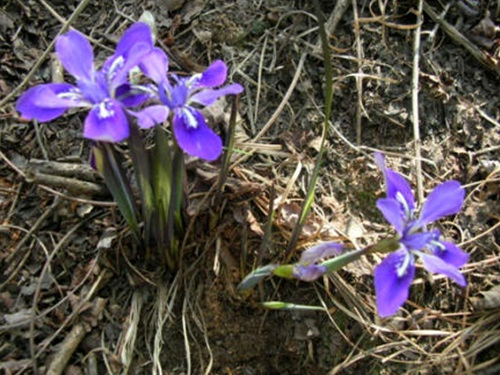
394, 275
112, 99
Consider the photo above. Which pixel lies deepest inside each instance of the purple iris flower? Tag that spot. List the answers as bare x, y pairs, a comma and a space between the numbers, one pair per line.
394, 275
106, 91
307, 268
183, 97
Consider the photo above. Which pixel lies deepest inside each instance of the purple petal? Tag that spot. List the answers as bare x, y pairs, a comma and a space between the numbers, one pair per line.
391, 289
138, 33
155, 65
151, 116
131, 96
135, 44
214, 75
396, 183
418, 241
323, 250
208, 97
308, 273
446, 199
437, 265
393, 213
451, 254
106, 122
75, 53
194, 136
380, 161
48, 101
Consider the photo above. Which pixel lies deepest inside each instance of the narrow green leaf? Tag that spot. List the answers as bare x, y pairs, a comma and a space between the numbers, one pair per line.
306, 205
162, 185
142, 170
336, 263
254, 277
278, 305
229, 150
110, 168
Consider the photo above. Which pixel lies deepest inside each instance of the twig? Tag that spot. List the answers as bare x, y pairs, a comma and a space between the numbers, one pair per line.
47, 51
68, 347
334, 19
486, 60
414, 103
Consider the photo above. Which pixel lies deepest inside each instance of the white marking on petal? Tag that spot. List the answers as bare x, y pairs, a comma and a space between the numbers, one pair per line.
72, 94
190, 119
115, 66
193, 79
402, 266
105, 109
401, 199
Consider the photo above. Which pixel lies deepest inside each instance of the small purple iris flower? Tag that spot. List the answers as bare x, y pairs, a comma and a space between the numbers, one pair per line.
307, 268
183, 98
394, 275
106, 91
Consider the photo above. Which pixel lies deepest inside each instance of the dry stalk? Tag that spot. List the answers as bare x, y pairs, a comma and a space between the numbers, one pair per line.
68, 347
127, 346
163, 307
359, 77
414, 103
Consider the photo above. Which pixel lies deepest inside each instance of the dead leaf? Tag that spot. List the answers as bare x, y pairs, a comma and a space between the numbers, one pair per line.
487, 300
245, 216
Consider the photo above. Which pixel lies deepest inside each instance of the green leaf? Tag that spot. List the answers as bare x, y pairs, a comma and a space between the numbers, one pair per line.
109, 166
334, 264
254, 277
162, 185
229, 150
285, 270
278, 305
142, 169
306, 205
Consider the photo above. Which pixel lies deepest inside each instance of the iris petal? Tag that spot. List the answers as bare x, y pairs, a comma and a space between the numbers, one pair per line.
437, 265
137, 34
151, 116
131, 96
446, 199
392, 290
308, 273
323, 250
451, 254
135, 44
75, 53
418, 241
106, 122
396, 183
155, 65
214, 75
194, 136
393, 213
208, 97
48, 101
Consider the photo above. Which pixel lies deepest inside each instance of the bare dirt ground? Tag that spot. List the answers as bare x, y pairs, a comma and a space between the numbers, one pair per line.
74, 298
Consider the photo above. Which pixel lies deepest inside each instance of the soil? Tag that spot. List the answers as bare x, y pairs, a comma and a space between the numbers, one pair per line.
75, 294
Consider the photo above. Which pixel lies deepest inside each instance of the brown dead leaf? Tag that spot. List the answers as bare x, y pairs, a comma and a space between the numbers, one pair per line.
487, 300
245, 216
289, 214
